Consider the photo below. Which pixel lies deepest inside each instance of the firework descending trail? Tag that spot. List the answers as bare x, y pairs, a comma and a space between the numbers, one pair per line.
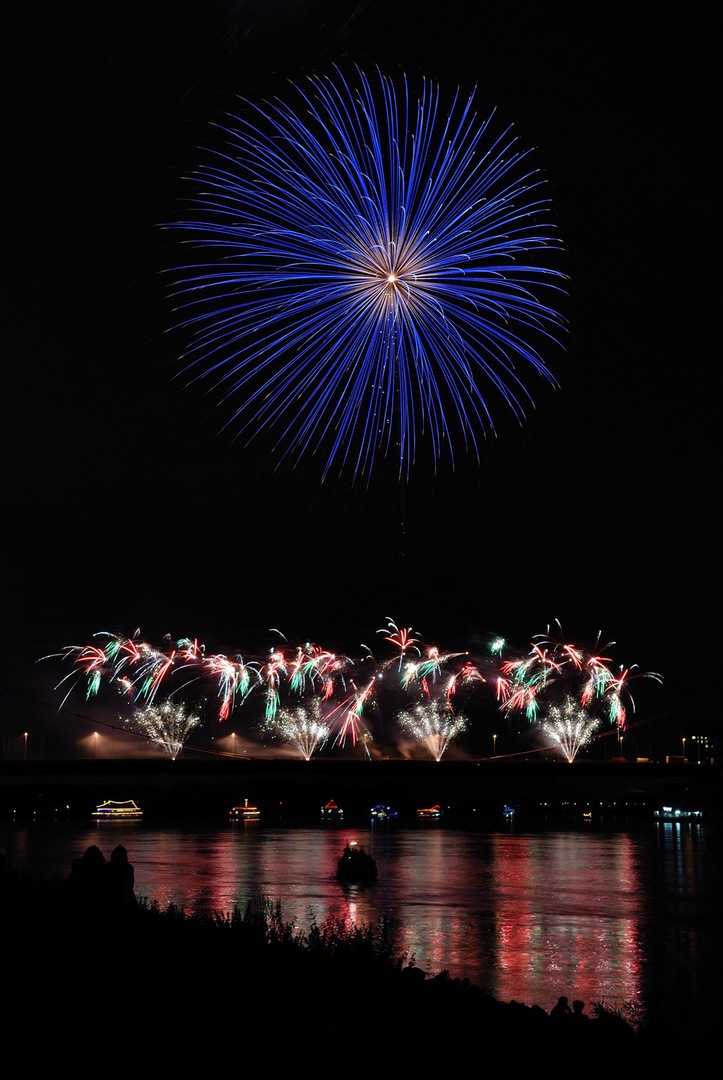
434, 724
567, 688
234, 679
308, 693
402, 638
134, 667
569, 726
374, 267
351, 724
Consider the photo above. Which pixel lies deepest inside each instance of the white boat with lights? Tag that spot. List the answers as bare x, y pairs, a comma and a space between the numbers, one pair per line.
245, 812
670, 813
110, 810
430, 812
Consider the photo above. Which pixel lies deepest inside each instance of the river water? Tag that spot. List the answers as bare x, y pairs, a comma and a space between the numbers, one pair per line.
626, 915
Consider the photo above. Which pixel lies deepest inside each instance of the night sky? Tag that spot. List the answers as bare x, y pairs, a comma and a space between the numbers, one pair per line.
125, 505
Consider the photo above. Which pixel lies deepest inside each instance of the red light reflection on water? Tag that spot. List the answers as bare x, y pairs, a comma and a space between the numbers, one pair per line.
527, 916
565, 921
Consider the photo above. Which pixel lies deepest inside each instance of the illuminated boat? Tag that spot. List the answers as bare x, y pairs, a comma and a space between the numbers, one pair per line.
355, 864
671, 813
331, 811
381, 813
245, 812
118, 811
430, 812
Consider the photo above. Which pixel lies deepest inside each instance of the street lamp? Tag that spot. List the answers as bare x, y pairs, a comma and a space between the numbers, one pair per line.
95, 743
25, 757
494, 746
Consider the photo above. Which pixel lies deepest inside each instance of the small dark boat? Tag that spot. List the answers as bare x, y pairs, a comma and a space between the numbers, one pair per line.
331, 811
355, 864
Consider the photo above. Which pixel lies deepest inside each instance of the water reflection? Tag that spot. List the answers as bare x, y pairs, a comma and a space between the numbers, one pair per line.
684, 928
615, 917
567, 913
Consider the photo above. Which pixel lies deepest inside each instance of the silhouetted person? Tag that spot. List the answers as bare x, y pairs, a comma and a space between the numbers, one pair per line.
561, 1011
577, 1014
85, 881
118, 881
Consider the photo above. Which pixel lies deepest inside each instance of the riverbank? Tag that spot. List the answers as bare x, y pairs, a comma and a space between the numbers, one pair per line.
86, 968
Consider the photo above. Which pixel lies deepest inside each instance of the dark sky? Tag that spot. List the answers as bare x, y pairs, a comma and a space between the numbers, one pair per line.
125, 506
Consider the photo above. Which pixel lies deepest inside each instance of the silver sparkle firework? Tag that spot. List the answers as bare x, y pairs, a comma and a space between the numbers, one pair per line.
569, 726
167, 723
434, 724
302, 727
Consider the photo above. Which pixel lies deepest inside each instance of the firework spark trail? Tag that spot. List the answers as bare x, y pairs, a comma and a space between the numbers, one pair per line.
93, 662
464, 677
402, 638
371, 271
235, 680
271, 676
428, 670
329, 668
555, 668
601, 684
135, 667
318, 667
139, 671
351, 712
552, 672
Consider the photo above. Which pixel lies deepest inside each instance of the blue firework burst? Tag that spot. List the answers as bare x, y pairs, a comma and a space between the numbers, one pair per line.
374, 269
